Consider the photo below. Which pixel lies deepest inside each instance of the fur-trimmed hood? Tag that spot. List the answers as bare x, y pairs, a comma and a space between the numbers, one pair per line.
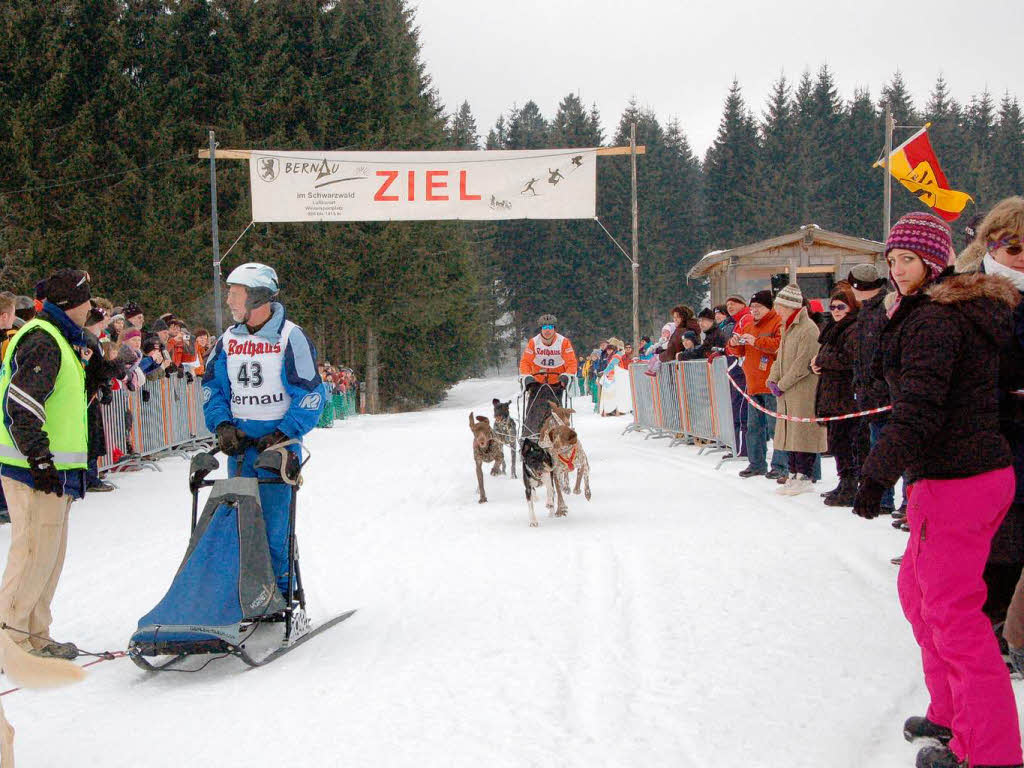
987, 301
969, 259
975, 285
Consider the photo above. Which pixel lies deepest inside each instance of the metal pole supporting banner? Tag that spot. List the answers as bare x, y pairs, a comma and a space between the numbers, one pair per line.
218, 309
636, 255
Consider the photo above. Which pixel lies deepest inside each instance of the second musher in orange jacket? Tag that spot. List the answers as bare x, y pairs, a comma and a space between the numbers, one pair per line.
547, 365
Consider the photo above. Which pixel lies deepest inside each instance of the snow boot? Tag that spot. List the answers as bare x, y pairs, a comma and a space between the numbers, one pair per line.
834, 491
844, 495
775, 474
938, 757
923, 728
750, 472
797, 484
56, 651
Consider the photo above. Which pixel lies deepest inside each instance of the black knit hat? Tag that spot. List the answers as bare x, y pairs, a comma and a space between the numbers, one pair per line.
707, 313
67, 288
131, 309
764, 298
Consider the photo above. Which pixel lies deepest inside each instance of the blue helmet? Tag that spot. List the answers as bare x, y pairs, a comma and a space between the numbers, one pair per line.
259, 280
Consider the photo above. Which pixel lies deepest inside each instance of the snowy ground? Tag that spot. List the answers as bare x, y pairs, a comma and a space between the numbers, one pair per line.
684, 617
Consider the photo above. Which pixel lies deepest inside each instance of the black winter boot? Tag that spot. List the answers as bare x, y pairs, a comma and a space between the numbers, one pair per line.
845, 494
923, 728
938, 757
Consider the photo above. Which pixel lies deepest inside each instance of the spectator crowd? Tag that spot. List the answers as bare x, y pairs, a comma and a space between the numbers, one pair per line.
925, 356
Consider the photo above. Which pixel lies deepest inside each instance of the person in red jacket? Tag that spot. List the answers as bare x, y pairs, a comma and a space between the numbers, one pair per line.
547, 365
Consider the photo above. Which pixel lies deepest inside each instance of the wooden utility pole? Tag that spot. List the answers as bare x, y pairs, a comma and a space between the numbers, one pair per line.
218, 305
636, 246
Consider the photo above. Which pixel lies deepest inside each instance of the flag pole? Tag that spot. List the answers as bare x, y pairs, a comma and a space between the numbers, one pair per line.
636, 256
887, 195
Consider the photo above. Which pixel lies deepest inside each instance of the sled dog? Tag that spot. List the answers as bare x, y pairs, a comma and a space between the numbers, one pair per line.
28, 671
486, 448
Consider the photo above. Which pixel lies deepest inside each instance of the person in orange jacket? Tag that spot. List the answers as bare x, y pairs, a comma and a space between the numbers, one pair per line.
550, 360
758, 343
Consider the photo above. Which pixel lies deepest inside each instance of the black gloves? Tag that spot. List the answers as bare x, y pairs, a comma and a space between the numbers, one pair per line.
230, 439
564, 379
868, 503
275, 437
145, 395
189, 377
45, 477
105, 395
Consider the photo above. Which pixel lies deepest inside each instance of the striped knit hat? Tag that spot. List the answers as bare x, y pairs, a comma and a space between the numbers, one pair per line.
790, 296
926, 235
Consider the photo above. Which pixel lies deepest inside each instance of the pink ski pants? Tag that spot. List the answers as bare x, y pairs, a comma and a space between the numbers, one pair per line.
941, 590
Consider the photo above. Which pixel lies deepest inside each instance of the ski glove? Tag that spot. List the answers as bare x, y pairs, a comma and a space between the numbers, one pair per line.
774, 388
45, 477
275, 437
868, 503
564, 379
230, 439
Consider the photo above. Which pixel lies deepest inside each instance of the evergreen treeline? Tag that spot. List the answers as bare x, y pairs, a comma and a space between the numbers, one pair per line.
123, 92
806, 159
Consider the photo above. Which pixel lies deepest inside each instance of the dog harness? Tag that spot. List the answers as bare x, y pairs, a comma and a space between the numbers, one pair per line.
569, 462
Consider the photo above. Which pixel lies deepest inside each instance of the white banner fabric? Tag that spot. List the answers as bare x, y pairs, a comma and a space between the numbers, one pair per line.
411, 186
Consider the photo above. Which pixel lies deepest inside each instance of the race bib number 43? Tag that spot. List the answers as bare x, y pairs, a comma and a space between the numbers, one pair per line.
257, 387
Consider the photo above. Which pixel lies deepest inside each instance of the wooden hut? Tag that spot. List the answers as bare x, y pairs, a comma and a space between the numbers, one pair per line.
813, 258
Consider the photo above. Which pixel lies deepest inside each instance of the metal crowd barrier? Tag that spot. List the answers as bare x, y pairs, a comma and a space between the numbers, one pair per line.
167, 420
689, 401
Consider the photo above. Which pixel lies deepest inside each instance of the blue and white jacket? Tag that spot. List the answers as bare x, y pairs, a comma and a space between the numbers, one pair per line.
263, 381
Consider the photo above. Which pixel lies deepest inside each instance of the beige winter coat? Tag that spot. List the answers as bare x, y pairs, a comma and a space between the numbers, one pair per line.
792, 372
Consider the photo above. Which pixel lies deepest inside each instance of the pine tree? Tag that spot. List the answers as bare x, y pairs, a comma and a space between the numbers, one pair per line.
778, 170
1008, 151
859, 147
461, 130
732, 204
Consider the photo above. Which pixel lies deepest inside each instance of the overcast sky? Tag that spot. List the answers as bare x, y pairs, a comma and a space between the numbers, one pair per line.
679, 58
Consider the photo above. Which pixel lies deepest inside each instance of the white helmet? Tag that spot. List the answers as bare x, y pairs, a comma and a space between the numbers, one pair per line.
259, 280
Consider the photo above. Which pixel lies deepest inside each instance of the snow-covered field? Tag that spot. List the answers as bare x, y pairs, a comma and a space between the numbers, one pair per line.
684, 617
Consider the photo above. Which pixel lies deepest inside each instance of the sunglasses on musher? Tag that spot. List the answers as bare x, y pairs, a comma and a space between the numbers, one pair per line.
547, 327
1012, 245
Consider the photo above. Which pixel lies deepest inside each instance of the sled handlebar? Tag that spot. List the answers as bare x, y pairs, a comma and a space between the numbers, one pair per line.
205, 462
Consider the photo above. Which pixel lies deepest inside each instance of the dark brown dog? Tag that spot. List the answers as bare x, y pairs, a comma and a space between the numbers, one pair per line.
486, 448
505, 429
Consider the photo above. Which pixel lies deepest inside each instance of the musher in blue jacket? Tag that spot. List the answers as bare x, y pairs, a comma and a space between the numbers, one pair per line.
261, 387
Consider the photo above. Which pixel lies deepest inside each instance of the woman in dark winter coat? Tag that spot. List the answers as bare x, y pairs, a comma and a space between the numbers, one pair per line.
682, 316
834, 364
939, 354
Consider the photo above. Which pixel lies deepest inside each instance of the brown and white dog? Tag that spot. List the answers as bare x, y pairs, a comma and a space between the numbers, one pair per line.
486, 448
27, 671
568, 456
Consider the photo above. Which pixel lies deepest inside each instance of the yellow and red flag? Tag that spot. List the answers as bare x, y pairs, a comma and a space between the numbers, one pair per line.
914, 165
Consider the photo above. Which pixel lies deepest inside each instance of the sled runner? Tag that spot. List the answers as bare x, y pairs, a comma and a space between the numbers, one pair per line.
224, 590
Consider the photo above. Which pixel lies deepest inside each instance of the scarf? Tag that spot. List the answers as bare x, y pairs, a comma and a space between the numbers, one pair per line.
993, 267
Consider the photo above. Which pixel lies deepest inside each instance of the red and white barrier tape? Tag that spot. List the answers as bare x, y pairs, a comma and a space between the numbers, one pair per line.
804, 419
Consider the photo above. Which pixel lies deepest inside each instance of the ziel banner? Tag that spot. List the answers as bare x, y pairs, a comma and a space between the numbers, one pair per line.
407, 186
